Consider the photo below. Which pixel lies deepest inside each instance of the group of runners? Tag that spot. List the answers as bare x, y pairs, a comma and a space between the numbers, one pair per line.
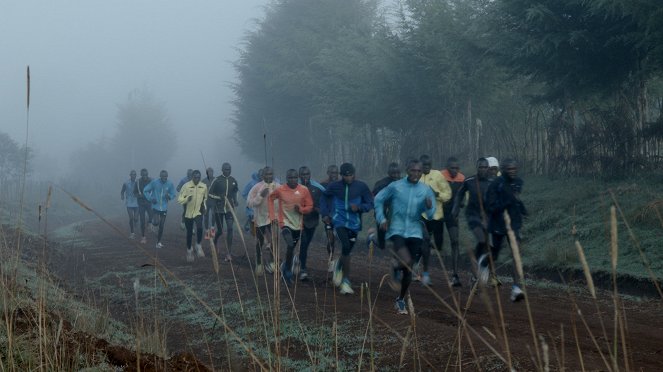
411, 213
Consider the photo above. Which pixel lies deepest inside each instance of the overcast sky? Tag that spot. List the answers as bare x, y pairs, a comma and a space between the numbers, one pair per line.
85, 56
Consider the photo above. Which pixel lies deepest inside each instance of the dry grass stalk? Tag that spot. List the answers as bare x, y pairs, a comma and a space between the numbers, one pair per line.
585, 269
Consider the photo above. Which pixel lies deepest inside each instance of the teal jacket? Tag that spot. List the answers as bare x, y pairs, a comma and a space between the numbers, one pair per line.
160, 193
407, 201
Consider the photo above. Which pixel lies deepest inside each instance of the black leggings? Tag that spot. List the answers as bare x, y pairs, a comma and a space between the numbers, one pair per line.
219, 218
161, 217
404, 251
264, 235
188, 222
143, 210
291, 238
348, 238
307, 237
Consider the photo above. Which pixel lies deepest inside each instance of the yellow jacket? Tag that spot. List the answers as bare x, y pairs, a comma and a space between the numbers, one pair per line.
441, 189
198, 194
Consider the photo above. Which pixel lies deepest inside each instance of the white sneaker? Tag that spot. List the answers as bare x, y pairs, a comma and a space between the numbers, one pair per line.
295, 266
260, 270
484, 270
338, 274
189, 254
345, 288
517, 294
270, 267
331, 266
199, 251
132, 236
159, 245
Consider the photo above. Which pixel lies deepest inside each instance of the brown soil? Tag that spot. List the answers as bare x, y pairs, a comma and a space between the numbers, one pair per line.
560, 315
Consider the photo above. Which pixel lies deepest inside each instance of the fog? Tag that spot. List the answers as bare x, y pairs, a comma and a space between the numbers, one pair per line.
86, 57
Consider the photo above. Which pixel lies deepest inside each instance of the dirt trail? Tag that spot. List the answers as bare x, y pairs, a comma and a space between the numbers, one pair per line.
116, 272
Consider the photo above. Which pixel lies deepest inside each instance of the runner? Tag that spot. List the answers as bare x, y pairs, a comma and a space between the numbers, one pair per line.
393, 174
208, 216
409, 198
504, 195
184, 180
344, 202
435, 225
258, 200
294, 200
193, 196
255, 178
131, 202
160, 192
475, 211
311, 219
224, 190
455, 179
144, 204
332, 176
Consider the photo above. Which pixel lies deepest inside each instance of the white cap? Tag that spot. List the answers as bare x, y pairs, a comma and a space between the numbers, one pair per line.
492, 162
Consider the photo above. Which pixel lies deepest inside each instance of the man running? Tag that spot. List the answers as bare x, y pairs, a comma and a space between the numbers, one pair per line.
435, 225
455, 179
311, 219
193, 196
504, 196
332, 176
224, 190
408, 198
393, 174
184, 180
344, 202
255, 178
160, 192
258, 200
144, 204
476, 188
130, 200
294, 200
208, 216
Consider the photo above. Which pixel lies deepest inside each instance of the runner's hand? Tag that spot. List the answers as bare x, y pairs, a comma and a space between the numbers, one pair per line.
326, 220
297, 208
190, 198
354, 207
264, 192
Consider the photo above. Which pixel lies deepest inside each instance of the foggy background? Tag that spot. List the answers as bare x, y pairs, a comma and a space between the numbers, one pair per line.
86, 57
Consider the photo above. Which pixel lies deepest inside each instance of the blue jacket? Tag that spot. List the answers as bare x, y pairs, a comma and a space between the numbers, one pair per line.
504, 195
247, 189
160, 193
407, 201
131, 201
337, 200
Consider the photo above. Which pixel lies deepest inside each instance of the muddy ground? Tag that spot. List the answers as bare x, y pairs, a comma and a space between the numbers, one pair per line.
159, 292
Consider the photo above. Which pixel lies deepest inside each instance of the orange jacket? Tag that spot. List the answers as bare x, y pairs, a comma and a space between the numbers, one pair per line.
289, 198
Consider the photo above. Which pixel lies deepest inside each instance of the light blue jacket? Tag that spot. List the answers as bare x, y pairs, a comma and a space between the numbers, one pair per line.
160, 193
408, 202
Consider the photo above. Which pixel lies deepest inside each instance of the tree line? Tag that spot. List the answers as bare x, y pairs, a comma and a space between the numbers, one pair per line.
566, 86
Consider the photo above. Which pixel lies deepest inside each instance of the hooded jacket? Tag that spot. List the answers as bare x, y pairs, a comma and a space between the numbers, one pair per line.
160, 193
407, 202
337, 199
198, 193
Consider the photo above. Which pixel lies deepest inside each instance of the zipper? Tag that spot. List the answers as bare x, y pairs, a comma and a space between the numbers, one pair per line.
347, 214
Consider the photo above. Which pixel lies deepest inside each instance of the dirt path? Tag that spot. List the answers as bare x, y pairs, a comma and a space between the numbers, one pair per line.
119, 274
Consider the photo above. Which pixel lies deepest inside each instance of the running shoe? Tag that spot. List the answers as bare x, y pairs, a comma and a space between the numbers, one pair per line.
416, 271
425, 279
270, 267
295, 266
189, 254
331, 265
455, 281
228, 258
159, 245
199, 251
259, 270
143, 240
372, 238
286, 274
247, 226
303, 275
484, 270
182, 226
346, 288
517, 294
338, 273
400, 306
132, 236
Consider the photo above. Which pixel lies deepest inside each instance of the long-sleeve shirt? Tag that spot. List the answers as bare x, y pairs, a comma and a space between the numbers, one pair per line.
313, 218
139, 191
504, 195
259, 204
289, 198
127, 192
338, 199
455, 183
198, 193
223, 188
408, 202
160, 193
441, 190
476, 189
